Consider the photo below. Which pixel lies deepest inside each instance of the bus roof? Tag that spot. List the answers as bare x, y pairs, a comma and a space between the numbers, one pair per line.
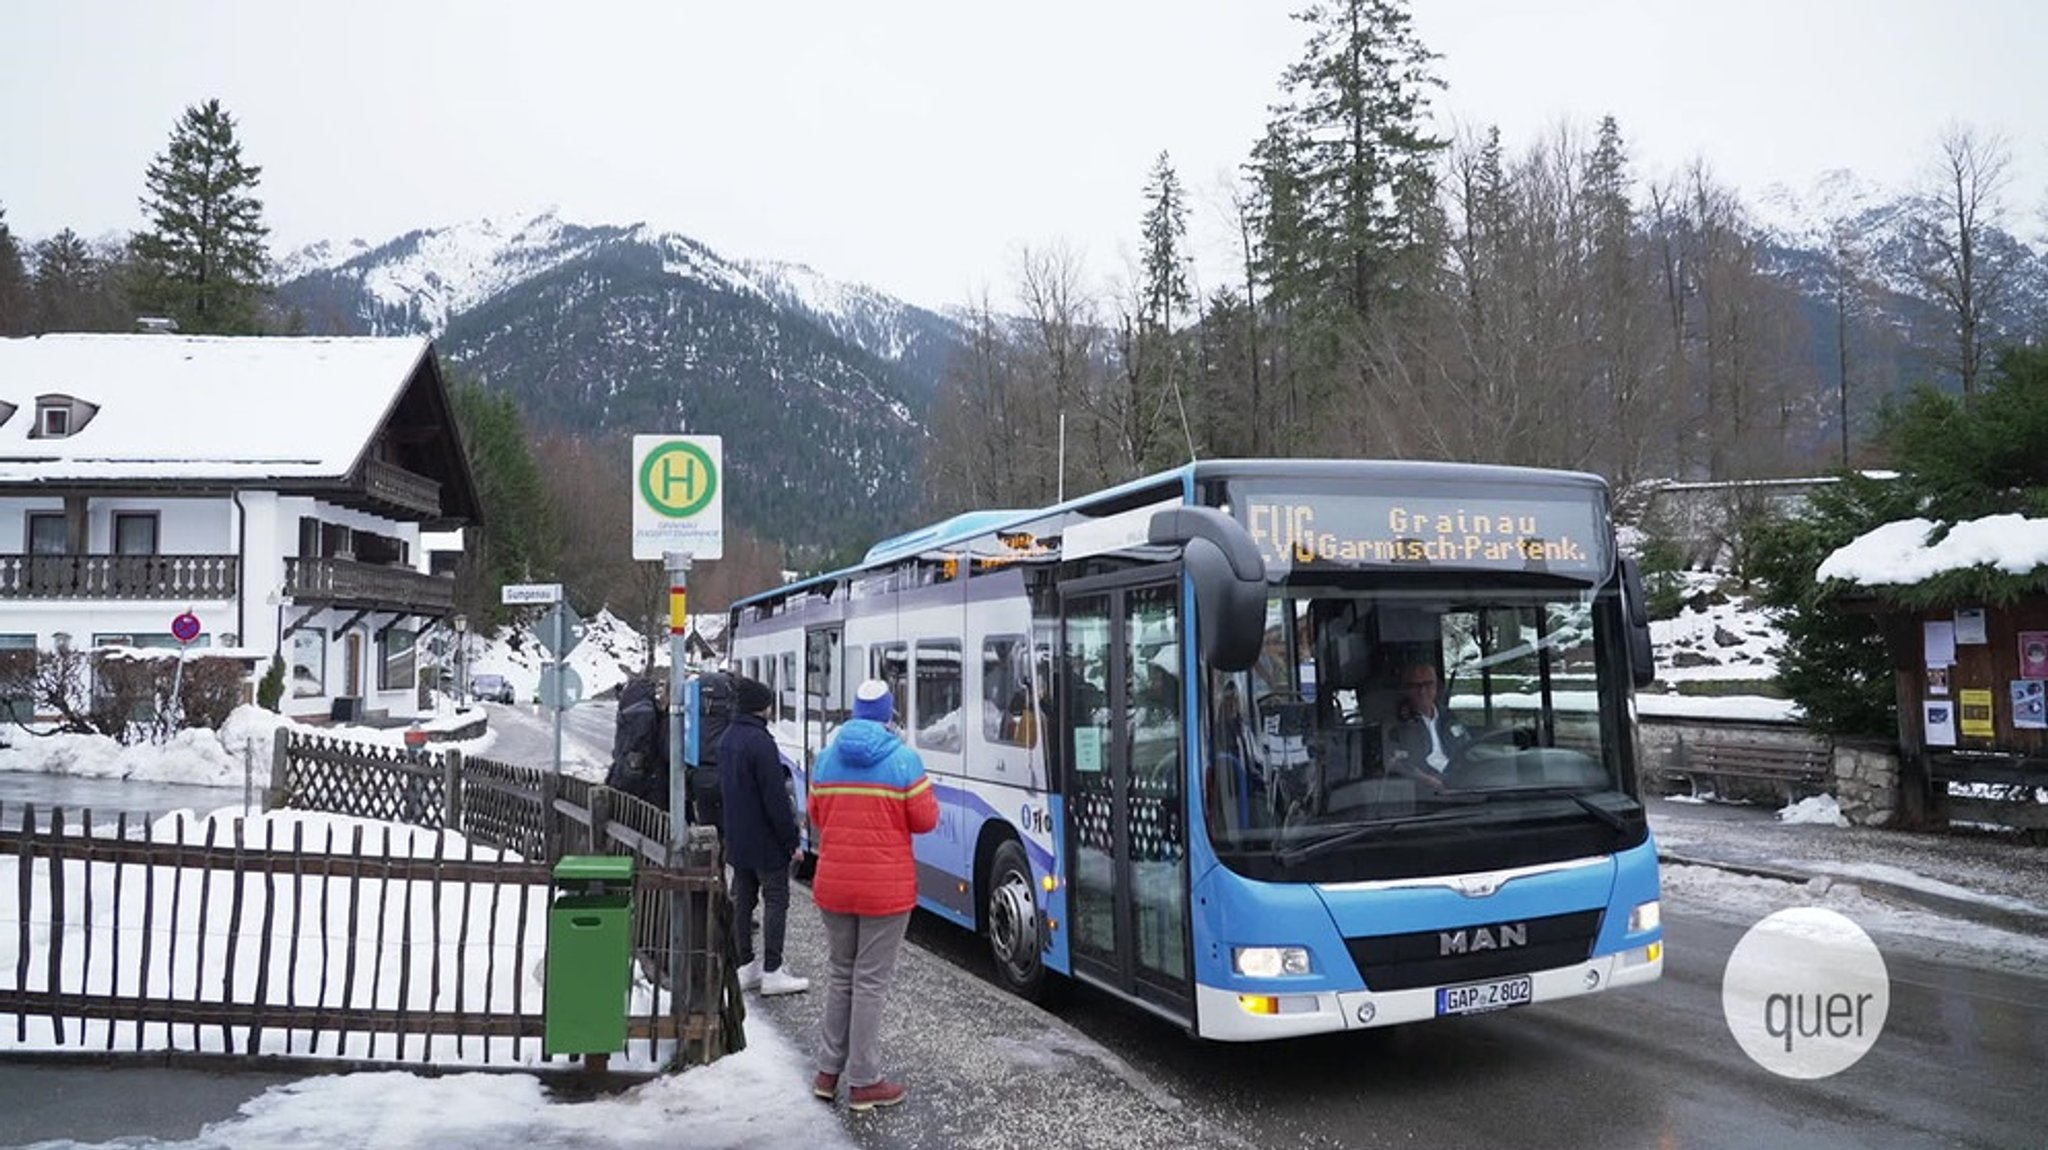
968, 525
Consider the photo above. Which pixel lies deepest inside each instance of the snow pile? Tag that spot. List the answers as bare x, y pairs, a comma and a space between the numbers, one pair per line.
1820, 810
196, 756
1898, 554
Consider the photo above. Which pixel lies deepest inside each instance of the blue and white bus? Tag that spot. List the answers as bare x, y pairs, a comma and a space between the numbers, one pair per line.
1160, 721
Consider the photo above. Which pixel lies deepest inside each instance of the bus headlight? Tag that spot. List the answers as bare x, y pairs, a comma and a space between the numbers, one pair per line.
1646, 916
1269, 961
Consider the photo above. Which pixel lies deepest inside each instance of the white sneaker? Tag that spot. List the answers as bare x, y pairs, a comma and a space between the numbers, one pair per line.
781, 981
750, 975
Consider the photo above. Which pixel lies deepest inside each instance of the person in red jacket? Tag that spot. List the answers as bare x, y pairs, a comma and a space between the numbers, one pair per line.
869, 795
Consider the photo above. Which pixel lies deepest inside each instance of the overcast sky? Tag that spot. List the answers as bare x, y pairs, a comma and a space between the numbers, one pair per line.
918, 144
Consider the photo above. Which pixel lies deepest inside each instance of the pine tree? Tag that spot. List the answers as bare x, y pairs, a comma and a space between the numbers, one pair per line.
1166, 257
14, 295
1359, 147
1157, 401
517, 541
202, 259
66, 281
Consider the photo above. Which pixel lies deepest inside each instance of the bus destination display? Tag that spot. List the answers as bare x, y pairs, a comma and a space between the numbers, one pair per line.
1317, 529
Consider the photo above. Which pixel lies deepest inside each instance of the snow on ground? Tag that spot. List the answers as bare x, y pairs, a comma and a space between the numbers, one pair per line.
757, 1099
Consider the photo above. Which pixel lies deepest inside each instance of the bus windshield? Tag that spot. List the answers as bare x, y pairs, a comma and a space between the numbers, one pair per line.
1418, 711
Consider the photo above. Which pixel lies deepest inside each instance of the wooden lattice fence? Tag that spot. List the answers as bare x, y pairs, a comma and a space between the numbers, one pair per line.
260, 936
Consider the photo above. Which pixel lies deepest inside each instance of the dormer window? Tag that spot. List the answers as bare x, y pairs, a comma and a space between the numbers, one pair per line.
58, 416
7, 410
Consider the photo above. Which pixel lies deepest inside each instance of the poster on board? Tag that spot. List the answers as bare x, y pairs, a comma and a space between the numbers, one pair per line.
1937, 680
1940, 641
2030, 704
1938, 717
1970, 625
2034, 654
1975, 708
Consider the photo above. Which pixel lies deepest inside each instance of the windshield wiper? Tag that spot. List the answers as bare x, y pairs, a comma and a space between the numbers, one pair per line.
1612, 818
1357, 831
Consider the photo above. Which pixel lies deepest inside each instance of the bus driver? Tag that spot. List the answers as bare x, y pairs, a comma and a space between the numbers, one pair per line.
1423, 739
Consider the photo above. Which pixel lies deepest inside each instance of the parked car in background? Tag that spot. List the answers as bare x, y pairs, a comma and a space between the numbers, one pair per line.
490, 688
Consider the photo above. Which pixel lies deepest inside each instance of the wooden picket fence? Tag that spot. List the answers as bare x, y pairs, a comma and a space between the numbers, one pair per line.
257, 936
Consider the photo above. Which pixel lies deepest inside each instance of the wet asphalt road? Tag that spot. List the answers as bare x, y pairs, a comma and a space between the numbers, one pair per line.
1961, 1062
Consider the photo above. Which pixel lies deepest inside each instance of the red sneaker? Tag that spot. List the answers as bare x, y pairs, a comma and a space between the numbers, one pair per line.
825, 1086
883, 1093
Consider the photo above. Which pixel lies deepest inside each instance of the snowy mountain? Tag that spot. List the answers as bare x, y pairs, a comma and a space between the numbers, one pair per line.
1841, 211
821, 388
418, 282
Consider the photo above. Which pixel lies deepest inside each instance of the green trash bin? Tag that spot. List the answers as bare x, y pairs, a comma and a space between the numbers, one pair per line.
590, 955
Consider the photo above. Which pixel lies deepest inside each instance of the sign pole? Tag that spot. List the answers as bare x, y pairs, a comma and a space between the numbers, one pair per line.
680, 988
560, 621
678, 563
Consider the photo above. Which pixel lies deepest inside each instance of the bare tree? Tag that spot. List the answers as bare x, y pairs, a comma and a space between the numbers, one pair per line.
1061, 359
1956, 258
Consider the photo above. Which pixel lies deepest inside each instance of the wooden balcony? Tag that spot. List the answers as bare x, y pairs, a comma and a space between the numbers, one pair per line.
347, 583
390, 490
169, 577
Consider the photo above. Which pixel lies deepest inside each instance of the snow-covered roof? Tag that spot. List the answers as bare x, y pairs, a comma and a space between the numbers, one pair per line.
200, 407
1898, 553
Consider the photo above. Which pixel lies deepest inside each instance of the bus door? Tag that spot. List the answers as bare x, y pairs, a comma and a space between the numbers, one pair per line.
1126, 837
827, 698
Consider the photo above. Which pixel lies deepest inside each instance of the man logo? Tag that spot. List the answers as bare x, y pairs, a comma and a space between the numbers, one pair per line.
1475, 939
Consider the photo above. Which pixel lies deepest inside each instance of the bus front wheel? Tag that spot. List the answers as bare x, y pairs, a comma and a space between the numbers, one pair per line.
1013, 938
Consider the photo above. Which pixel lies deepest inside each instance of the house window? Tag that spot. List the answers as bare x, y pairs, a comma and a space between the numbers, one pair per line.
54, 421
395, 670
17, 678
134, 532
309, 664
145, 640
49, 533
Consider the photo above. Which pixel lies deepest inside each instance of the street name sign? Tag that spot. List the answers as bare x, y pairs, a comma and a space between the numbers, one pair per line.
528, 593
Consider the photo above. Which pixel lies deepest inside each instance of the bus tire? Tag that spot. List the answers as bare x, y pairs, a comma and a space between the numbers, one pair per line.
1011, 911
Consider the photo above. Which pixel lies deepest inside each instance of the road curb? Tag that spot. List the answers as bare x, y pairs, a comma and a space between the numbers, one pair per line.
2005, 918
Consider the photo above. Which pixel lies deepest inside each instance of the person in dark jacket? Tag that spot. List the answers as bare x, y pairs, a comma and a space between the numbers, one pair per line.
869, 796
761, 840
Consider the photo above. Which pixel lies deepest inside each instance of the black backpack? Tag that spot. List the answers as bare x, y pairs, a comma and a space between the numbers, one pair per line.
715, 697
639, 764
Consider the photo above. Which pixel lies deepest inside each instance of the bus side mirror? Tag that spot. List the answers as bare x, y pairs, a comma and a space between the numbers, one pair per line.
1229, 578
1635, 608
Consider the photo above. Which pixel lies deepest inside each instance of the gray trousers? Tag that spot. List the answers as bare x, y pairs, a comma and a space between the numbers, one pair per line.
863, 956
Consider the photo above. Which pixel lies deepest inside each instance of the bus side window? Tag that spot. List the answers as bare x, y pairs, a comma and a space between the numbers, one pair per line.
1009, 711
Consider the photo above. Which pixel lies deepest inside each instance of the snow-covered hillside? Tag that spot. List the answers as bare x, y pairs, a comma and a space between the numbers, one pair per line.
611, 653
1722, 645
434, 274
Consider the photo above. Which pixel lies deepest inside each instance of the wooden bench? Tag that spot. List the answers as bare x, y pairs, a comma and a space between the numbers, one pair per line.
1792, 769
